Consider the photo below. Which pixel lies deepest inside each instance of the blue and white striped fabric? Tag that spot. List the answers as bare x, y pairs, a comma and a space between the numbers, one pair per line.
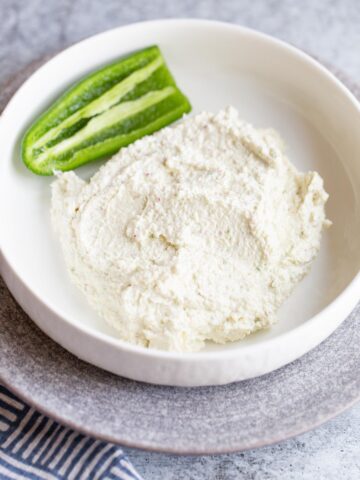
33, 446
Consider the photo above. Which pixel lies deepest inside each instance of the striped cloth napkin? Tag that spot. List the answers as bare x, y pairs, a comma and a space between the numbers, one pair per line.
35, 447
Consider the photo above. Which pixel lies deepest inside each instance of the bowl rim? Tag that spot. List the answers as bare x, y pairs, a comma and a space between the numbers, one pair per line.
346, 297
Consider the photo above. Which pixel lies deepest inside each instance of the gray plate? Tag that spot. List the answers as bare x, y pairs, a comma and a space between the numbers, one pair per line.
202, 420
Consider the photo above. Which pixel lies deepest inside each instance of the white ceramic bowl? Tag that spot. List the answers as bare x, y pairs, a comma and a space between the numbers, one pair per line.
216, 64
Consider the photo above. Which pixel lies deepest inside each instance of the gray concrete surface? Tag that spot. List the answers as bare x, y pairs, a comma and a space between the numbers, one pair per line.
329, 29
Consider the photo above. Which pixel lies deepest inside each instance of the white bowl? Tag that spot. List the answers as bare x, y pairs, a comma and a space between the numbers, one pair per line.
216, 64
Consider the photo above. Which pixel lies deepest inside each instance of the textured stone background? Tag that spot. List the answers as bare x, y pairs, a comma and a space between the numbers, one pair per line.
330, 29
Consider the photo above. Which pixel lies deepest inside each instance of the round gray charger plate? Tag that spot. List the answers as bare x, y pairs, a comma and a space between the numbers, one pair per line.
203, 420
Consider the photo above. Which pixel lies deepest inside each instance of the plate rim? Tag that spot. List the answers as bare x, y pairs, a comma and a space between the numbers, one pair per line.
176, 451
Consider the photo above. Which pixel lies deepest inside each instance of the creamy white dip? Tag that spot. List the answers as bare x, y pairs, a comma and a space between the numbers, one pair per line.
196, 233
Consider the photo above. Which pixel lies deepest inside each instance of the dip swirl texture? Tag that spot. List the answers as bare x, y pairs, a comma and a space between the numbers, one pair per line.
196, 233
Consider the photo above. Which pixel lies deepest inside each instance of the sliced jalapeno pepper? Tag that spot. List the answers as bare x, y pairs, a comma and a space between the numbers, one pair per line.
107, 110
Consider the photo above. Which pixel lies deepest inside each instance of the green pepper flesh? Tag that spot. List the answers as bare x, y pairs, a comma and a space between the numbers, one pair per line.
105, 111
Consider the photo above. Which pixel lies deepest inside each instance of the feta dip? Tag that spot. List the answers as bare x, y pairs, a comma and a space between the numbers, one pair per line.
196, 233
